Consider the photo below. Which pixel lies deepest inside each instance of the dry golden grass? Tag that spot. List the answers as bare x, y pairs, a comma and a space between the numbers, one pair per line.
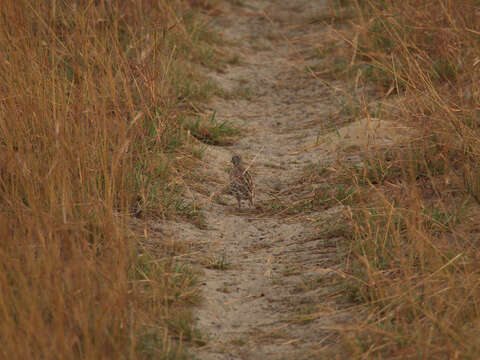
414, 251
91, 94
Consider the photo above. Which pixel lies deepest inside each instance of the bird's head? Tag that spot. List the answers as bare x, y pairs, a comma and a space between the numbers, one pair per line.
236, 160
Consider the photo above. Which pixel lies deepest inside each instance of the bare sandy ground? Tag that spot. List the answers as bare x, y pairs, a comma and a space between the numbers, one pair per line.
269, 281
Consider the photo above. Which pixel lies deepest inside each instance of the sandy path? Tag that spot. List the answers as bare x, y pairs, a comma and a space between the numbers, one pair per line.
275, 299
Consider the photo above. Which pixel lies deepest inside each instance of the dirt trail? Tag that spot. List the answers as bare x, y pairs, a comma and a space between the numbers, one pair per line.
274, 299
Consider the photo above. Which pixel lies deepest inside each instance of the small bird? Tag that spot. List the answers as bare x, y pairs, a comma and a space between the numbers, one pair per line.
241, 182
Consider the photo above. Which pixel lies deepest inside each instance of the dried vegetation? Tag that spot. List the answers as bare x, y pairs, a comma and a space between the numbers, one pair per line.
92, 95
414, 251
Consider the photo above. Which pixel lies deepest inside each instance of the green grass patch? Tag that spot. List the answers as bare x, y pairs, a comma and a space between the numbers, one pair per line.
212, 132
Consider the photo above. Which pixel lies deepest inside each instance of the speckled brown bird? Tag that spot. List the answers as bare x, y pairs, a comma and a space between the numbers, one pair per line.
241, 182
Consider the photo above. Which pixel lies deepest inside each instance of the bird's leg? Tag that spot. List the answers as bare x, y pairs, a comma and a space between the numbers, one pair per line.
239, 203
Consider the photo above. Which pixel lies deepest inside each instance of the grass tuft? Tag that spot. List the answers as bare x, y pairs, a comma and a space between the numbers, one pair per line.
212, 132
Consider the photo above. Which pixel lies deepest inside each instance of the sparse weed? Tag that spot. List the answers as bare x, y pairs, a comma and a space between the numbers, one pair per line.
184, 329
218, 262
